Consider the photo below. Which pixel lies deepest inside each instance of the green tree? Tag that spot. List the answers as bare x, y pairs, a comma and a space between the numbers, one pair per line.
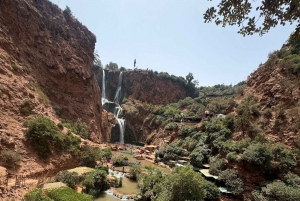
180, 185
69, 178
232, 181
111, 66
134, 171
242, 14
36, 195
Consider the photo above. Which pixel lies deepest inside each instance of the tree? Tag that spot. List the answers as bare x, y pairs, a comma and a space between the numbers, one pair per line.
111, 66
239, 12
134, 63
189, 78
181, 184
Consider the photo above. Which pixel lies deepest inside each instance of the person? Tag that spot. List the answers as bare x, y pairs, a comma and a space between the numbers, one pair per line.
123, 168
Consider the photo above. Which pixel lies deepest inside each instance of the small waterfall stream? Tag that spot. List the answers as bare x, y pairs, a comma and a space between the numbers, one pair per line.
118, 108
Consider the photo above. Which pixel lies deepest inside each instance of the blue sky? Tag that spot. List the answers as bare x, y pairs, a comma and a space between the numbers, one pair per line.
171, 36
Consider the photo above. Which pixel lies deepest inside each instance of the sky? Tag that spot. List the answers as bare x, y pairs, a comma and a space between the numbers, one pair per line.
171, 36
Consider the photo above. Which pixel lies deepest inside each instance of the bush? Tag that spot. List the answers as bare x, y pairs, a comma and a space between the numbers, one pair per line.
60, 126
15, 67
171, 126
118, 160
216, 165
44, 135
234, 184
134, 171
67, 194
232, 157
212, 191
258, 155
81, 129
36, 195
89, 155
10, 159
95, 182
26, 108
69, 178
267, 113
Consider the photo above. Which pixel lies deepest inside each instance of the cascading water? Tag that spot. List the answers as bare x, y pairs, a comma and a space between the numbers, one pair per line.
117, 109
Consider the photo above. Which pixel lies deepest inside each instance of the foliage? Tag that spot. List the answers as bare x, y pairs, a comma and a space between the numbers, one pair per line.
232, 157
292, 63
186, 130
118, 160
216, 165
36, 195
277, 190
134, 172
232, 181
106, 152
199, 155
68, 11
95, 182
81, 129
111, 66
240, 13
267, 113
67, 194
170, 152
171, 126
10, 159
26, 108
69, 178
180, 185
228, 122
258, 155
212, 191
43, 135
146, 183
89, 155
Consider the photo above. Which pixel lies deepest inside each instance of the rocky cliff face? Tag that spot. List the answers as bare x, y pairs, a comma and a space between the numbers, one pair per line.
57, 50
143, 86
46, 57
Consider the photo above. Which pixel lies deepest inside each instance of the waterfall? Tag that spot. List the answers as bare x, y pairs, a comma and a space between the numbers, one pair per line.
117, 96
103, 99
118, 109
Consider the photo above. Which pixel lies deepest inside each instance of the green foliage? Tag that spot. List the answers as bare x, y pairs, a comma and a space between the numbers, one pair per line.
171, 152
171, 126
111, 66
118, 160
146, 183
68, 11
232, 181
95, 182
60, 126
36, 195
244, 16
134, 171
15, 67
267, 113
277, 190
10, 159
26, 108
43, 134
216, 165
199, 155
106, 152
292, 63
67, 194
69, 178
181, 184
186, 130
212, 191
232, 157
25, 69
81, 129
228, 122
258, 155
89, 155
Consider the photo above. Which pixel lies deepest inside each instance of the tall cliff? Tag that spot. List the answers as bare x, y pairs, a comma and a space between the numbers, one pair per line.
58, 51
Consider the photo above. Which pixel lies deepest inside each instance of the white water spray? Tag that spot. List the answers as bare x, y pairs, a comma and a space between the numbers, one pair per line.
103, 99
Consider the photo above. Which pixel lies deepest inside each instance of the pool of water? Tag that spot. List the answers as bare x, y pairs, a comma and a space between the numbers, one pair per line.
144, 163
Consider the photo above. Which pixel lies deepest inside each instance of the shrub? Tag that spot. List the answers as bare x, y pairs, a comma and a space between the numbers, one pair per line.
216, 165
81, 129
68, 11
171, 126
212, 191
69, 178
26, 108
234, 184
258, 155
228, 121
95, 182
253, 130
232, 157
15, 67
67, 194
43, 134
36, 195
60, 126
25, 69
267, 113
89, 155
10, 159
134, 171
198, 156
118, 160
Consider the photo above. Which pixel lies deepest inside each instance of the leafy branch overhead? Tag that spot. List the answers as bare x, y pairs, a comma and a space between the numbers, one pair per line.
248, 14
